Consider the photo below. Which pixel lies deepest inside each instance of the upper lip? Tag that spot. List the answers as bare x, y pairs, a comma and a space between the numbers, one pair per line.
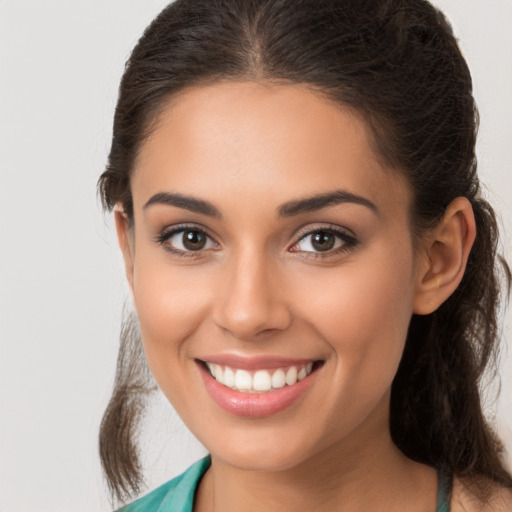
255, 362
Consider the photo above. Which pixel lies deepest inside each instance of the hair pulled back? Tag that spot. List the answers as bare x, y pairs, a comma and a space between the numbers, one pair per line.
398, 64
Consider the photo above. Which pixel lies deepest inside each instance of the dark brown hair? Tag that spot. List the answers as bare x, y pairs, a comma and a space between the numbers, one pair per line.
398, 64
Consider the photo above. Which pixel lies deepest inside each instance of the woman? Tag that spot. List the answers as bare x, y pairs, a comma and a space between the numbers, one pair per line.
312, 264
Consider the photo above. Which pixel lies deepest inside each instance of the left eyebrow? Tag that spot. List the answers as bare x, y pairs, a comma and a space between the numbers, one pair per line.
317, 202
192, 204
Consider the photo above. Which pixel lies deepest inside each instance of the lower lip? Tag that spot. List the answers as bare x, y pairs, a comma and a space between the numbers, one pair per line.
255, 405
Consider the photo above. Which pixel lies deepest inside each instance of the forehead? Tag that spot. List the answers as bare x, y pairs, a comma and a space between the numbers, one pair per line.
261, 140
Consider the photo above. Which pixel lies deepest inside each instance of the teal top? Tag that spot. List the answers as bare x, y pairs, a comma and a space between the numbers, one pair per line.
177, 495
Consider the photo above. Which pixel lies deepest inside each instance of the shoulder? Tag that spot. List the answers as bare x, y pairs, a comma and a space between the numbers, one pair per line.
497, 498
177, 495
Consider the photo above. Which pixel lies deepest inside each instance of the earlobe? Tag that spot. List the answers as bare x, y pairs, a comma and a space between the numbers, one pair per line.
124, 230
444, 256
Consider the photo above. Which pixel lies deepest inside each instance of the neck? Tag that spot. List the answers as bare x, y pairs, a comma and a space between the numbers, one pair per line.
366, 472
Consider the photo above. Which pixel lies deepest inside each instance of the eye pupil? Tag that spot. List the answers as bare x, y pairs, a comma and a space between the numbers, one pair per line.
194, 240
323, 241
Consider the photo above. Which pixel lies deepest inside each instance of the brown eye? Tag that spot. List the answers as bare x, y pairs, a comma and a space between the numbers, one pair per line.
328, 241
186, 240
193, 240
323, 241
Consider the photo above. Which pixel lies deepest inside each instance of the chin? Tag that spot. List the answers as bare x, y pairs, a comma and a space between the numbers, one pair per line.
262, 449
260, 460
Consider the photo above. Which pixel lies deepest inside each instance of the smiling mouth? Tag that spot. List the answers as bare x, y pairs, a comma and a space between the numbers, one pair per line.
260, 381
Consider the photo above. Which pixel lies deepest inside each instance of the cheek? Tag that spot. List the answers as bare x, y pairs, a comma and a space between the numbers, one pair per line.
171, 304
363, 311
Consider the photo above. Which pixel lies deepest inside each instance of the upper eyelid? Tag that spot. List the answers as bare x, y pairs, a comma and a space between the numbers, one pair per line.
309, 229
173, 229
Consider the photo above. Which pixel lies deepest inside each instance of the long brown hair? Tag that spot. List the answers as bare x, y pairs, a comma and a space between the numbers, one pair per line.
399, 65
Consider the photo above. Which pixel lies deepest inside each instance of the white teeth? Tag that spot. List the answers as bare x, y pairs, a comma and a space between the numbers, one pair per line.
229, 378
291, 376
278, 379
219, 374
243, 380
261, 380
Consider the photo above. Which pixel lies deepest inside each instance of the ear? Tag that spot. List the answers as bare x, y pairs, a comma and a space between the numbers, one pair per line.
444, 256
124, 228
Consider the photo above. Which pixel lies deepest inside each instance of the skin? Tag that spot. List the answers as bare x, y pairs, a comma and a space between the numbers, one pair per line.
259, 287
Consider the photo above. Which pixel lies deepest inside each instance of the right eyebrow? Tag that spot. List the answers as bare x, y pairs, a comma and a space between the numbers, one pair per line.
190, 203
317, 202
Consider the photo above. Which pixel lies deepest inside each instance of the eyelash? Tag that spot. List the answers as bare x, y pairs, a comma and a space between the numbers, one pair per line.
348, 242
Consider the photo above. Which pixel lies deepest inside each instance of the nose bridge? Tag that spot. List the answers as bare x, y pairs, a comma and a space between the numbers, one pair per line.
251, 303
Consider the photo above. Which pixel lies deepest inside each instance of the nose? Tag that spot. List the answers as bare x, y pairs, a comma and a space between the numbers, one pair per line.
251, 303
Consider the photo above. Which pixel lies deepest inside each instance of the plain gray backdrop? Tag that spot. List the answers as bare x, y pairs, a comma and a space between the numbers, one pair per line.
61, 279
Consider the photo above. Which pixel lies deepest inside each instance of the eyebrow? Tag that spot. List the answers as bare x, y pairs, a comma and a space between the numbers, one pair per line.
317, 202
188, 203
289, 209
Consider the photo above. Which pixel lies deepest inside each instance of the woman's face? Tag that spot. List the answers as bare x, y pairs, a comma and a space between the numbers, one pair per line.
269, 242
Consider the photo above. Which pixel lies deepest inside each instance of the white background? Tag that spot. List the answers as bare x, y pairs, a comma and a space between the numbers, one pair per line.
61, 281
